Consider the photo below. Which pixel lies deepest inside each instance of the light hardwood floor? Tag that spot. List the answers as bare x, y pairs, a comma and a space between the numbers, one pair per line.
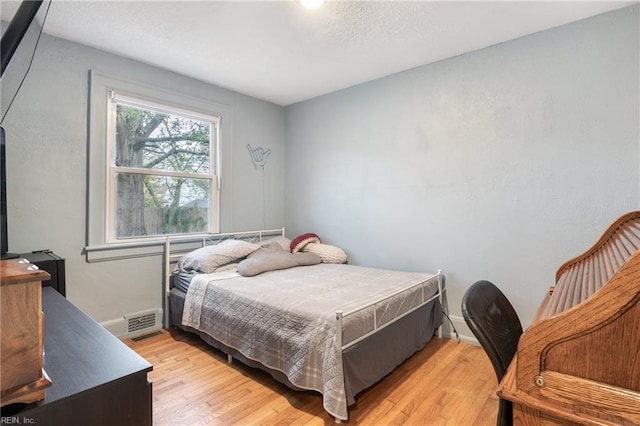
446, 383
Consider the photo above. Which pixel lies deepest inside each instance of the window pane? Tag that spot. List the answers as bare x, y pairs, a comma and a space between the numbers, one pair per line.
157, 205
153, 140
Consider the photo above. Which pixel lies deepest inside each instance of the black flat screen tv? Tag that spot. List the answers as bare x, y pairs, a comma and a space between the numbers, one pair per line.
5, 238
17, 47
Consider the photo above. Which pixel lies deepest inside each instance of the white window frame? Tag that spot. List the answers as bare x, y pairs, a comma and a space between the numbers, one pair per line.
115, 98
101, 86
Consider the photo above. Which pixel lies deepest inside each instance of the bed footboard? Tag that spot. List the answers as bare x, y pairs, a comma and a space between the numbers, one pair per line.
341, 317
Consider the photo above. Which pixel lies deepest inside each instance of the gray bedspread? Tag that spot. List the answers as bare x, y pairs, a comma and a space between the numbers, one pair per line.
286, 319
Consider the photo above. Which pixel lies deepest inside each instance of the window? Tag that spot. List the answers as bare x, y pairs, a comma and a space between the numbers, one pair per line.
162, 176
158, 163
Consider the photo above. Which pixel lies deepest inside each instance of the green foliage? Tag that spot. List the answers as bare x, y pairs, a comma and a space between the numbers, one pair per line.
182, 220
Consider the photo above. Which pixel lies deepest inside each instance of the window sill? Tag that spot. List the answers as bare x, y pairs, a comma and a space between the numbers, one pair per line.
121, 251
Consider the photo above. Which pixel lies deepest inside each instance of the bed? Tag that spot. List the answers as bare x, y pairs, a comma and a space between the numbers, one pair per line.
313, 324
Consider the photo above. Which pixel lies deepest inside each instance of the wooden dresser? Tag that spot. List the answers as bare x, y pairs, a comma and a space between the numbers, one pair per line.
97, 379
21, 326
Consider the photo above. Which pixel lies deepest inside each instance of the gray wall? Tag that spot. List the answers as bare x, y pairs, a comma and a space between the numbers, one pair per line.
47, 174
499, 164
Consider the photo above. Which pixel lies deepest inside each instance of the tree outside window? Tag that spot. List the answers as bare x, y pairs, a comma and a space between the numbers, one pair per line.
163, 178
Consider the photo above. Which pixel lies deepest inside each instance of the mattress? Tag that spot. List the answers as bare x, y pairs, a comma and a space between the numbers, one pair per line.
294, 311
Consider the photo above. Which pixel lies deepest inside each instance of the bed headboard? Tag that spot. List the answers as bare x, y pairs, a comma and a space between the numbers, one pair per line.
177, 245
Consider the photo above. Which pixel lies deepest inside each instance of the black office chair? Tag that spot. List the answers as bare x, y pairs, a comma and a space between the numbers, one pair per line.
497, 327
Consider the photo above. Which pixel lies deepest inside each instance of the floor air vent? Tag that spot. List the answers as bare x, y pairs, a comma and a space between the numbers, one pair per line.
141, 322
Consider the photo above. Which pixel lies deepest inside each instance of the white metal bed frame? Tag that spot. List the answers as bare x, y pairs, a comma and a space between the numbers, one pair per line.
196, 241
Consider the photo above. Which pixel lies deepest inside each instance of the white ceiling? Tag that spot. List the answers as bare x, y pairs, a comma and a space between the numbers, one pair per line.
280, 52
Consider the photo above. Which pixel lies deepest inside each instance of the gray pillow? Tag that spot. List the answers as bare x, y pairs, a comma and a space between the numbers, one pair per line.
280, 241
208, 259
274, 258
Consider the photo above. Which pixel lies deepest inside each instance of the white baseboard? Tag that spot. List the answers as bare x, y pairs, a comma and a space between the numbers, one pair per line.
119, 327
464, 333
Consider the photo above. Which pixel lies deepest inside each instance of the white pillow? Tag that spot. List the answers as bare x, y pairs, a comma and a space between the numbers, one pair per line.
328, 253
208, 259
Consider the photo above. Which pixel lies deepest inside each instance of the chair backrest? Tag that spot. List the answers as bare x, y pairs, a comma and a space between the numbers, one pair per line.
494, 322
